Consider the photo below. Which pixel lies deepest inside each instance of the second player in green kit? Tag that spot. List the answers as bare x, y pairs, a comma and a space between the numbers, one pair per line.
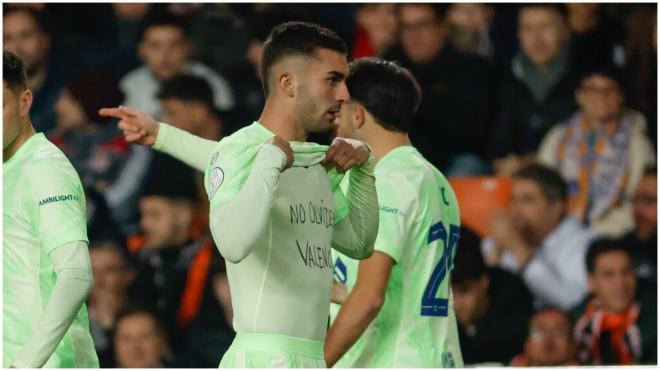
399, 310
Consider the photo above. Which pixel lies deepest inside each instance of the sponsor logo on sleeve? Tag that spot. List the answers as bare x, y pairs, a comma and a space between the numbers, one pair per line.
52, 199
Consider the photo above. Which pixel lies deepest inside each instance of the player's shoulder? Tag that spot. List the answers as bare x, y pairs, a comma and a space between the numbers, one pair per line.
48, 160
406, 165
247, 136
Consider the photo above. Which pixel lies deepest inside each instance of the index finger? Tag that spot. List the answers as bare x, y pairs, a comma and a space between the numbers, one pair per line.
117, 112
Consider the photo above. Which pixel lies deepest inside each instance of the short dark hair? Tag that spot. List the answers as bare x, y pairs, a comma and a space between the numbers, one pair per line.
159, 16
469, 263
602, 246
13, 71
438, 9
296, 38
555, 7
170, 178
139, 311
388, 91
608, 70
549, 308
187, 88
552, 185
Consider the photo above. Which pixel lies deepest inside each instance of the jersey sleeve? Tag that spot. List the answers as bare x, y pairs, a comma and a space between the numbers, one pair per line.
228, 169
339, 185
56, 203
395, 207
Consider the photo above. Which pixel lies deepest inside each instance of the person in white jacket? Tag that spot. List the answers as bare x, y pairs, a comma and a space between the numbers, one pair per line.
536, 239
601, 152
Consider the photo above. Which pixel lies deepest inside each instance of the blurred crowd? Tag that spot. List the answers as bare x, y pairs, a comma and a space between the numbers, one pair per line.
559, 98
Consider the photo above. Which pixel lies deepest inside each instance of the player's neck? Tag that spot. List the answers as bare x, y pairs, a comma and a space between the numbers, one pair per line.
27, 131
384, 142
282, 122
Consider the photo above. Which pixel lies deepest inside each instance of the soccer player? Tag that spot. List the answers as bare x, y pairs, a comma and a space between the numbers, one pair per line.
46, 268
276, 209
399, 309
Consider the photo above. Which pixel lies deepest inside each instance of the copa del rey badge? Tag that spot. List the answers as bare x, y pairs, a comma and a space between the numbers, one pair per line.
217, 177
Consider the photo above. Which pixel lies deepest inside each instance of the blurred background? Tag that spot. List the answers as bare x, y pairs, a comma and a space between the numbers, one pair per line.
543, 117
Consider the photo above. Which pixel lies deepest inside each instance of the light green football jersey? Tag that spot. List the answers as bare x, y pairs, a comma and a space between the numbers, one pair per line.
283, 286
419, 229
44, 207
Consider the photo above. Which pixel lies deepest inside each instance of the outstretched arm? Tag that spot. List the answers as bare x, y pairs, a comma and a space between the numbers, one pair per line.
140, 128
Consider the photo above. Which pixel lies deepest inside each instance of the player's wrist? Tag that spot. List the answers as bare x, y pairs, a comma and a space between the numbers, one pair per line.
272, 155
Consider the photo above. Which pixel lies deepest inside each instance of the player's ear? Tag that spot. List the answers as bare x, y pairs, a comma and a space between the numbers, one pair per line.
25, 102
286, 84
359, 115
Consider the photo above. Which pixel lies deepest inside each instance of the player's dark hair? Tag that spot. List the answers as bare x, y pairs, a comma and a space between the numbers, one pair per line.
600, 247
469, 263
187, 88
552, 185
13, 72
388, 91
159, 16
296, 38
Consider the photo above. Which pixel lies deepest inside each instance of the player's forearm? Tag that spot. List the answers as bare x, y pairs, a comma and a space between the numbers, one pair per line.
189, 148
355, 235
353, 318
74, 280
237, 224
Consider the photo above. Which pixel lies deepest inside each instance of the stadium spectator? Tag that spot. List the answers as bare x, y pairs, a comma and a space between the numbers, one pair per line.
179, 269
96, 150
643, 239
375, 30
488, 302
469, 25
24, 32
166, 50
109, 296
617, 324
601, 151
641, 65
595, 37
537, 240
537, 92
456, 91
549, 342
187, 102
140, 341
114, 42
